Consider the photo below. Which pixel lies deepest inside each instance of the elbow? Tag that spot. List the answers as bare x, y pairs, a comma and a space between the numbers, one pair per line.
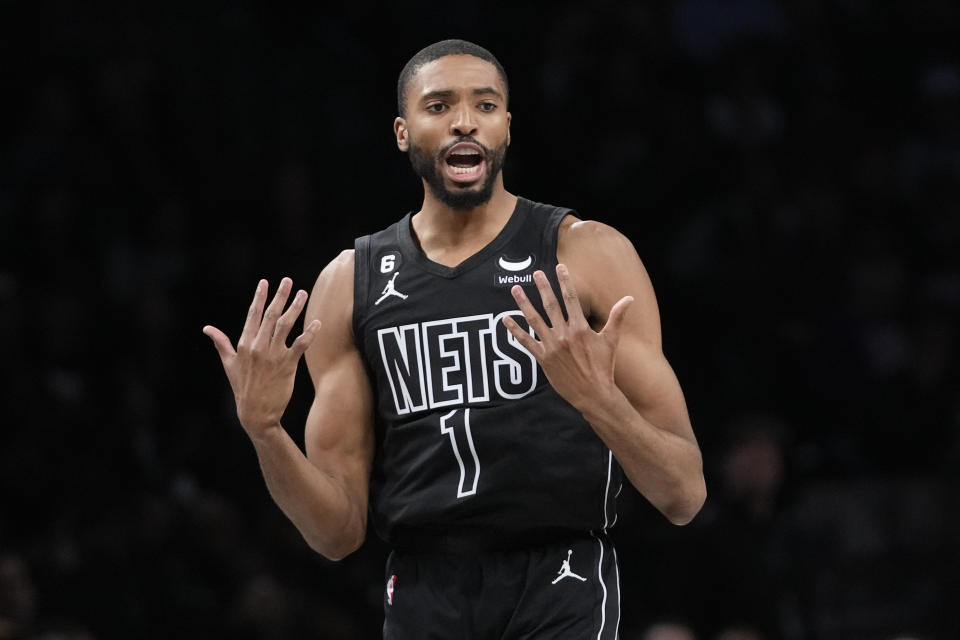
683, 510
337, 549
336, 553
341, 544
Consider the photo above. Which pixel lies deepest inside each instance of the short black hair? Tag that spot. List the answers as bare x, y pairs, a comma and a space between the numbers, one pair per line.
436, 51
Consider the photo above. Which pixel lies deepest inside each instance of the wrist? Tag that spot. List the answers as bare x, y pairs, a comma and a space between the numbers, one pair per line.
604, 408
264, 433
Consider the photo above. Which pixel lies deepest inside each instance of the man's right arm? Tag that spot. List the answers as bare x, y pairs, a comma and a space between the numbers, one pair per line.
324, 493
339, 431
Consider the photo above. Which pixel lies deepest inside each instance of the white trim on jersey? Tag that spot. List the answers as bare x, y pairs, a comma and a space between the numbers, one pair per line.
603, 585
606, 492
603, 604
616, 569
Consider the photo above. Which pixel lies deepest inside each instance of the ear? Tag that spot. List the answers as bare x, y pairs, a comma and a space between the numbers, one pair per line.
509, 117
400, 130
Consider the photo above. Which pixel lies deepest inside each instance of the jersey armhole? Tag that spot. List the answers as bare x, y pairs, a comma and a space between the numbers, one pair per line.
549, 242
361, 253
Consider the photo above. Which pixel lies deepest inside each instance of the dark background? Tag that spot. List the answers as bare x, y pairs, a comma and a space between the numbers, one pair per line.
789, 171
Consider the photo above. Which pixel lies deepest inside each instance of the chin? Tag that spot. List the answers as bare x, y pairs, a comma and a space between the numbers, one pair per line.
459, 196
464, 200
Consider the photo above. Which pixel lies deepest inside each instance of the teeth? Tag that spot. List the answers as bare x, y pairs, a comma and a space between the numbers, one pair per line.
463, 170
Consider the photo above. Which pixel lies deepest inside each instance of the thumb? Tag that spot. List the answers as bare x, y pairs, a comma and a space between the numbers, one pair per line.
304, 340
615, 320
220, 341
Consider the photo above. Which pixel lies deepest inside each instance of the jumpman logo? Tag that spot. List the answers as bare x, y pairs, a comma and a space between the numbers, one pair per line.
390, 291
565, 571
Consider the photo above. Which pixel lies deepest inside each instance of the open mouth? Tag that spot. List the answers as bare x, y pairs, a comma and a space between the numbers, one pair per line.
464, 162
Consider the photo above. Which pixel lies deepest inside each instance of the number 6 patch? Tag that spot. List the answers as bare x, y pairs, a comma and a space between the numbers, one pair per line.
388, 262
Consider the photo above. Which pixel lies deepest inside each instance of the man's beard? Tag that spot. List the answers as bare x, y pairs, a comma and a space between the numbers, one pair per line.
426, 167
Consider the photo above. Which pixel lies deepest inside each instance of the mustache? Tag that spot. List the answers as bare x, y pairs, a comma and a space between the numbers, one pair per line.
443, 151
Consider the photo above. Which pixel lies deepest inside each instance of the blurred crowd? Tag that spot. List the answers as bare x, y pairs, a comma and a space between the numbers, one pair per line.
788, 170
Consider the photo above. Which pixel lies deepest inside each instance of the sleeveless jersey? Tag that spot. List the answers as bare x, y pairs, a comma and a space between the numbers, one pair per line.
471, 438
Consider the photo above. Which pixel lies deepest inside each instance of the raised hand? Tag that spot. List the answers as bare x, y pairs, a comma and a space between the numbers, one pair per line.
262, 369
578, 361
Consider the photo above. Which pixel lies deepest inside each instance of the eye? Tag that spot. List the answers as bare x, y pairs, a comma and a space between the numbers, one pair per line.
436, 107
487, 106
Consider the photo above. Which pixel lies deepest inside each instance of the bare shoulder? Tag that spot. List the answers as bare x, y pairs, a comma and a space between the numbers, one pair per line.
597, 241
333, 288
605, 267
338, 272
331, 302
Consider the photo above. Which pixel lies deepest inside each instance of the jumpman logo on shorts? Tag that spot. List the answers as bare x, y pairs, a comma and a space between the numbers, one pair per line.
389, 290
565, 571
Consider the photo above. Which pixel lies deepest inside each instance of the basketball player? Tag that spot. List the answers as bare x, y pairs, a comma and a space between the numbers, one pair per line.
483, 371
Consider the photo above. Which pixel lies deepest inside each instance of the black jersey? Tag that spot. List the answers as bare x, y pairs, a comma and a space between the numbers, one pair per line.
471, 438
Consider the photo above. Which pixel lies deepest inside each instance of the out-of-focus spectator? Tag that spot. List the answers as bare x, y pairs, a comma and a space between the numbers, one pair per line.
668, 631
739, 633
17, 597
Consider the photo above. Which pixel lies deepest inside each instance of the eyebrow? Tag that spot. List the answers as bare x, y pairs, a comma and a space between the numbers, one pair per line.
447, 93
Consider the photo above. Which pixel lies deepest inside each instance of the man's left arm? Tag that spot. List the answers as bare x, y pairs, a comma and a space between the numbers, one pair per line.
606, 360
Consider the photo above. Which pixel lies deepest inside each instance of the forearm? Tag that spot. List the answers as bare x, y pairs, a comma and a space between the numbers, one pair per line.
330, 519
592, 365
663, 466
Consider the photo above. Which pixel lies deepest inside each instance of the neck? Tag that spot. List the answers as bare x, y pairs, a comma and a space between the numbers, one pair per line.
450, 235
442, 222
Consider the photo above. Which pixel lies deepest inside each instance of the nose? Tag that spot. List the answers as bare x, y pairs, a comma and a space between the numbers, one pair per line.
463, 122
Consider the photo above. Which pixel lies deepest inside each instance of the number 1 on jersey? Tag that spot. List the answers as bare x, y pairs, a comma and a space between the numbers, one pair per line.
456, 424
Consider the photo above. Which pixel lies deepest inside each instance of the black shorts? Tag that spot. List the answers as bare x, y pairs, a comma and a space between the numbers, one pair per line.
568, 590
